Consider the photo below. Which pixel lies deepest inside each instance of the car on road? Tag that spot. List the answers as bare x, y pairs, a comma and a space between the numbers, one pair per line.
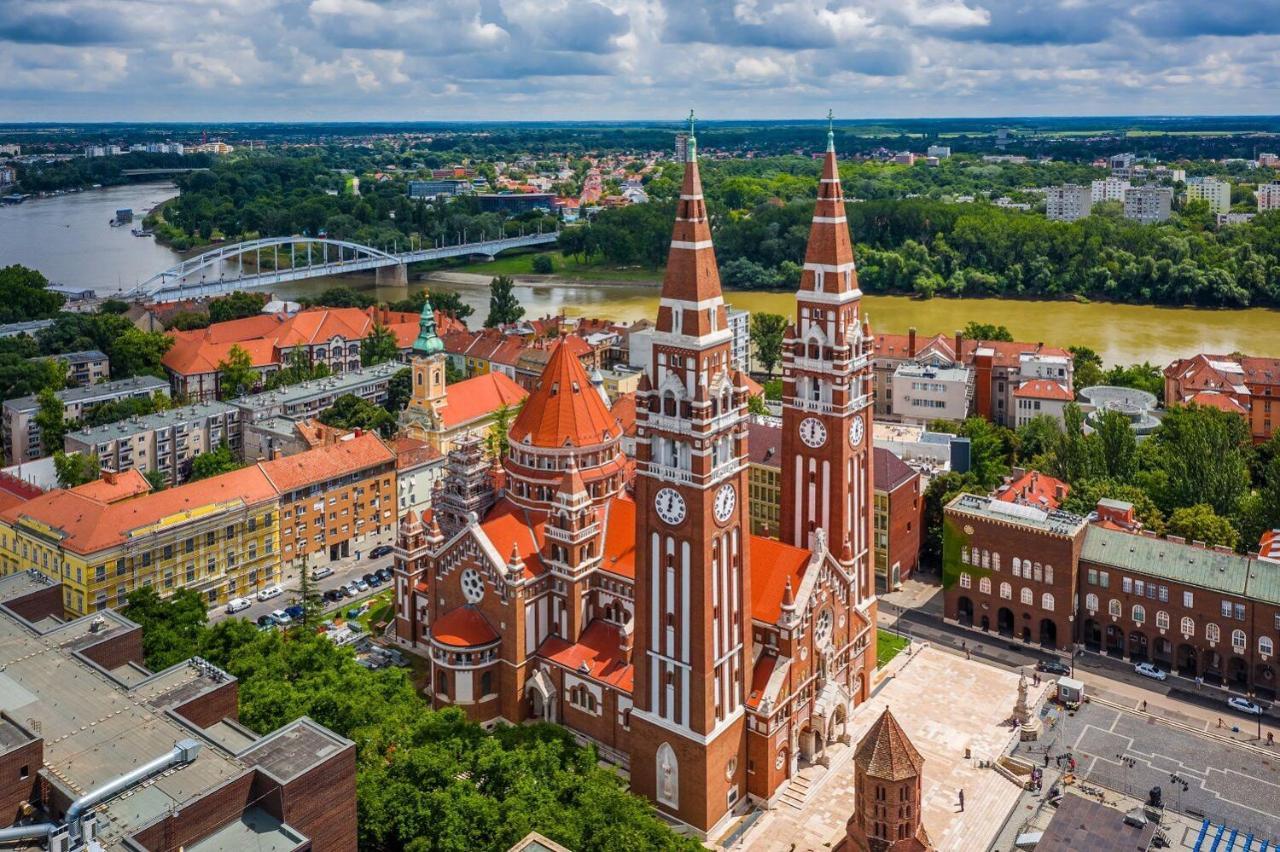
1150, 670
321, 572
295, 612
266, 622
1244, 705
361, 585
236, 604
372, 579
380, 551
269, 592
1056, 667
351, 589
333, 595
281, 618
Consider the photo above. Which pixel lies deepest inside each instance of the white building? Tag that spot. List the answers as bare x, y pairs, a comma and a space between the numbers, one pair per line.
419, 466
1068, 202
939, 151
1109, 189
1148, 204
1216, 192
740, 325
1268, 195
922, 392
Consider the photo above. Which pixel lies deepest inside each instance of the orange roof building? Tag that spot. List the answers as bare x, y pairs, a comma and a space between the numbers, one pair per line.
1238, 384
1033, 488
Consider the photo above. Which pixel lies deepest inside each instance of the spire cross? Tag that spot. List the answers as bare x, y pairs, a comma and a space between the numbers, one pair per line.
831, 133
692, 153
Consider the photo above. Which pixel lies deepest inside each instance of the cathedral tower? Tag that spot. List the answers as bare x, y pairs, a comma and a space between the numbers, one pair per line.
692, 628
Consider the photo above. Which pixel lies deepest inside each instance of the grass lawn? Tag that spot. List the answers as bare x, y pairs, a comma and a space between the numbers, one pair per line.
569, 268
887, 646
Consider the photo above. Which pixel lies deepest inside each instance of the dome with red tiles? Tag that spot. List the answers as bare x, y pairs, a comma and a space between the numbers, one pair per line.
565, 409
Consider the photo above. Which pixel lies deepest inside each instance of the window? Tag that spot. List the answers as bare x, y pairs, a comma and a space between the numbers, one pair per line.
1226, 609
995, 562
1164, 594
1048, 573
1238, 611
1026, 596
1139, 614
1091, 603
1046, 602
1017, 567
1265, 646
1104, 579
1006, 591
1126, 585
964, 554
986, 559
1114, 609
1162, 620
1188, 627
1188, 600
984, 585
1212, 633
668, 776
1093, 576
1238, 641
965, 580
1139, 588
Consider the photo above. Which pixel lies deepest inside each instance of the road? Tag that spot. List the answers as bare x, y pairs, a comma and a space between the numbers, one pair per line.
344, 571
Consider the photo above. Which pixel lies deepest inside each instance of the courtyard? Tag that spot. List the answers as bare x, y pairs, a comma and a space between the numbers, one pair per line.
946, 704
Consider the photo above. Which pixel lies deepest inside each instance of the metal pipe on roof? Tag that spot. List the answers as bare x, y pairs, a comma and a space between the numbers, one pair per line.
183, 751
27, 832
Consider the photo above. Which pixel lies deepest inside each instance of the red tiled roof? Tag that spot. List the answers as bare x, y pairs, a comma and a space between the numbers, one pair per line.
760, 675
565, 409
327, 462
619, 550
1043, 389
886, 752
624, 408
1216, 399
411, 452
189, 357
772, 564
597, 654
474, 398
463, 627
1034, 488
508, 524
890, 472
121, 486
764, 443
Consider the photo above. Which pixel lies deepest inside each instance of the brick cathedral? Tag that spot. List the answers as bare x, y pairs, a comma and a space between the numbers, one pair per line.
625, 598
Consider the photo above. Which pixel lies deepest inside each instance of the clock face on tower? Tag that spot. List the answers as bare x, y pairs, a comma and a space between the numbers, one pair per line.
669, 505
726, 499
855, 432
812, 432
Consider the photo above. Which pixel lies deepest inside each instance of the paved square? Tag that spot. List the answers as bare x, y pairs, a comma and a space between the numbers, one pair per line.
945, 704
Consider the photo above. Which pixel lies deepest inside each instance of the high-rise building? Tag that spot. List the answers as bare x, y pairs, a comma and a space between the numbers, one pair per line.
1148, 204
682, 147
1216, 192
1068, 202
1268, 195
1109, 189
939, 151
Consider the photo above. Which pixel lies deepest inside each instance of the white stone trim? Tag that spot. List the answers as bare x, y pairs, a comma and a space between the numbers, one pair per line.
830, 220
682, 244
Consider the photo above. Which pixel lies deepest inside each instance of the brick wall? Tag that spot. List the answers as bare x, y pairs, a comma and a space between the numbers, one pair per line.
14, 788
39, 604
322, 803
199, 818
213, 706
117, 650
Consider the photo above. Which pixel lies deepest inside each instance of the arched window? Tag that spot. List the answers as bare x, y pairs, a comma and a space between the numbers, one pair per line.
1266, 646
1212, 633
1091, 603
1139, 614
486, 683
668, 776
1036, 572
1026, 596
1188, 627
1048, 573
1006, 591
1046, 602
1238, 641
1162, 620
984, 585
965, 580
1114, 609
986, 559
1017, 567
964, 554
995, 562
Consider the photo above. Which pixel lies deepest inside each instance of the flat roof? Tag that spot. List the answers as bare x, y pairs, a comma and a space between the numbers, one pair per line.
989, 508
255, 831
81, 357
95, 393
1082, 823
942, 374
293, 749
127, 428
330, 385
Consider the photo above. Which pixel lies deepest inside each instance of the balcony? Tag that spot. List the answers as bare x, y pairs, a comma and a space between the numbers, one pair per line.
667, 473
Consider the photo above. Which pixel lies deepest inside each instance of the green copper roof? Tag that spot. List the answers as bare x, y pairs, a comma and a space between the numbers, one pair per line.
428, 342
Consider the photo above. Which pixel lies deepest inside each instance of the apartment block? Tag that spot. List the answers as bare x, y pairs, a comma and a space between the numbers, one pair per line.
740, 325
167, 441
923, 392
84, 368
1244, 385
307, 399
22, 440
1108, 189
1212, 190
1068, 202
1148, 204
1268, 196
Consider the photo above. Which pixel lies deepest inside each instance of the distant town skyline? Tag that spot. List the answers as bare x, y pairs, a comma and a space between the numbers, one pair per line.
355, 60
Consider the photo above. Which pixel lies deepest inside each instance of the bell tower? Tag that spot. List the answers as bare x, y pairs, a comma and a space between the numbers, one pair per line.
692, 642
421, 417
826, 406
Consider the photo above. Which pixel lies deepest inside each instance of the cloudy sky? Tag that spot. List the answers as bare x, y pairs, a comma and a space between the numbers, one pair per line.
116, 60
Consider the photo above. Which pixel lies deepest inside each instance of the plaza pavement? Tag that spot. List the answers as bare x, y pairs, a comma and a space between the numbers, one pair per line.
945, 704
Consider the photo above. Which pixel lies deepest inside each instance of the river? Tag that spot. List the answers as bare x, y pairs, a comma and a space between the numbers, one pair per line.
68, 239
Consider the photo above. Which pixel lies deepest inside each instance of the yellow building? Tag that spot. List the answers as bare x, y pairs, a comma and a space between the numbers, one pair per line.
219, 536
764, 478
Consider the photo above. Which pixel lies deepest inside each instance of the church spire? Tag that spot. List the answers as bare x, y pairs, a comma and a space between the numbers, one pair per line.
828, 261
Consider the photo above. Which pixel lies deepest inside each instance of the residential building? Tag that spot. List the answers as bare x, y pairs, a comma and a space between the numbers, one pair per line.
1068, 202
1122, 161
335, 500
419, 469
1212, 190
166, 442
1108, 189
939, 151
740, 325
921, 392
84, 368
515, 202
899, 507
1268, 196
106, 538
1038, 397
764, 475
27, 327
904, 158
1244, 385
1148, 204
22, 440
540, 588
429, 189
682, 147
1033, 488
84, 712
1228, 219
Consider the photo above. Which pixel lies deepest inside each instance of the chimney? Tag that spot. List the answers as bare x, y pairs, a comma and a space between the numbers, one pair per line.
911, 342
959, 340
359, 431
108, 476
1059, 492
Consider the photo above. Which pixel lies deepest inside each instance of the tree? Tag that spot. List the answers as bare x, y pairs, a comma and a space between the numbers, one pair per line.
1037, 439
351, 412
1118, 448
236, 375
445, 301
1200, 523
767, 332
214, 462
75, 468
1076, 456
1088, 366
991, 451
299, 369
50, 419
136, 353
1197, 455
236, 305
157, 480
543, 265
188, 320
379, 346
172, 628
1084, 498
113, 306
986, 331
504, 307
339, 297
22, 377
24, 295
308, 597
757, 405
399, 390
496, 440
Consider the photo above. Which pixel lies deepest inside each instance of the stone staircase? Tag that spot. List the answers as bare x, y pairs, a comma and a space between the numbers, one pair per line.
810, 778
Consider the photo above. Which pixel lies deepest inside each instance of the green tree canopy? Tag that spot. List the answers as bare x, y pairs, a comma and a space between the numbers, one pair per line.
23, 295
986, 331
1087, 367
236, 305
504, 307
298, 368
214, 462
75, 468
379, 346
351, 412
1200, 523
236, 374
50, 419
767, 332
1197, 455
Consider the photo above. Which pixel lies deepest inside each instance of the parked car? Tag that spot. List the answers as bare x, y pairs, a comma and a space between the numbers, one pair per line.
321, 572
281, 618
1056, 667
269, 592
295, 612
333, 595
372, 579
380, 551
1149, 670
351, 589
385, 574
266, 622
361, 585
236, 604
1244, 705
